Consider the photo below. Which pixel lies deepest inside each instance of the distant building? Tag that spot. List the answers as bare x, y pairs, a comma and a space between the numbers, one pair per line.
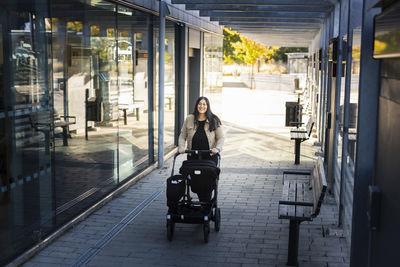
297, 62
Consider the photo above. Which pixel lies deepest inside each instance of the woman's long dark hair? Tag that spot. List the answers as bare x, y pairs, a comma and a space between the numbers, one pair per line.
213, 120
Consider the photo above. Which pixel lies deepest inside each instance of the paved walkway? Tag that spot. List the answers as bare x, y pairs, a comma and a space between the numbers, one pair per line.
131, 230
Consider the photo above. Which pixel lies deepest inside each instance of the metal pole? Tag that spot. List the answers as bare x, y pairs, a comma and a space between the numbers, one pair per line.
150, 82
86, 113
293, 247
161, 48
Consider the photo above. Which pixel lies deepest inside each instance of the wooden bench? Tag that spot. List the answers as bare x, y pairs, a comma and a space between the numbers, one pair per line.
299, 135
301, 201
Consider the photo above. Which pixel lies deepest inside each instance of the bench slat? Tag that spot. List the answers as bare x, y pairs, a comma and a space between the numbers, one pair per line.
292, 197
323, 186
300, 198
315, 187
283, 211
308, 197
309, 127
301, 136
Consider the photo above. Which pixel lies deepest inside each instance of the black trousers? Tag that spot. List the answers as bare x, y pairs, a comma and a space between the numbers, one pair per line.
204, 196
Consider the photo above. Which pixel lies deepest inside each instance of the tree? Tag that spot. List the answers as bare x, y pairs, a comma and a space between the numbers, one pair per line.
280, 54
249, 52
229, 38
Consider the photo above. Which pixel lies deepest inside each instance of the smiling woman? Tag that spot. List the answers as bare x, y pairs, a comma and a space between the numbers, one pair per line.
202, 129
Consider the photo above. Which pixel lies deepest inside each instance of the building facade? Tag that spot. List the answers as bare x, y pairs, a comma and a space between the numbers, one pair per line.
79, 110
353, 95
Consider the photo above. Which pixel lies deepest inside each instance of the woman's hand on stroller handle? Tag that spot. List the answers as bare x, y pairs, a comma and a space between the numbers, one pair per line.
197, 152
213, 151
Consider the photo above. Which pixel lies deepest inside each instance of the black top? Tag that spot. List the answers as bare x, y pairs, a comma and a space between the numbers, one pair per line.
200, 141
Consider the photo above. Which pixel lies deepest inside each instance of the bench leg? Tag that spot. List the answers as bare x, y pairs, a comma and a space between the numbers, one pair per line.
137, 114
47, 142
125, 117
65, 136
297, 151
293, 243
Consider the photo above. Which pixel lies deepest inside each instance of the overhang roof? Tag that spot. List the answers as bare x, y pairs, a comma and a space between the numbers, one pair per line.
290, 23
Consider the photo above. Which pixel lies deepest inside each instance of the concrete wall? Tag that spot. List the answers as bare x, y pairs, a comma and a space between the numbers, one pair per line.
278, 82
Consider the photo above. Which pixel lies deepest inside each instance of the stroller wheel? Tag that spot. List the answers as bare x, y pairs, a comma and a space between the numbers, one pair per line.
217, 219
170, 230
206, 231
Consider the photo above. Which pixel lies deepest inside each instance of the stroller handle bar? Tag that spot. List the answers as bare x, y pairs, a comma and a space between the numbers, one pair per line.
197, 152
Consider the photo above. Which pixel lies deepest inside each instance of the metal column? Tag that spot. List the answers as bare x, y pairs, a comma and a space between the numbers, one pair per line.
163, 12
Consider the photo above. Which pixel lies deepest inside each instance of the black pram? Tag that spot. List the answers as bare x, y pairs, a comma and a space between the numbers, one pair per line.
201, 177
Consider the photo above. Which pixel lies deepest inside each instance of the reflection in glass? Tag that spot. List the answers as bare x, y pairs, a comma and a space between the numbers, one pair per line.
212, 78
348, 169
341, 112
387, 33
354, 92
73, 110
169, 85
26, 196
133, 90
85, 78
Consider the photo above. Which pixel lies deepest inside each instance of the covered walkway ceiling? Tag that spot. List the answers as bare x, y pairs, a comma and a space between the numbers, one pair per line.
289, 23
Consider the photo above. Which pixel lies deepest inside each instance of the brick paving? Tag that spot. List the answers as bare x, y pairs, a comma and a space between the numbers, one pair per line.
251, 233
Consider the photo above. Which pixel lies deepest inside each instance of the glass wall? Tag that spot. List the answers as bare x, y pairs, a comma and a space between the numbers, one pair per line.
212, 72
26, 195
354, 92
133, 50
169, 83
350, 150
339, 141
169, 86
86, 114
73, 110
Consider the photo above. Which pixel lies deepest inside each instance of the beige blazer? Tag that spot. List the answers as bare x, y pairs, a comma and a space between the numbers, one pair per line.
215, 138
